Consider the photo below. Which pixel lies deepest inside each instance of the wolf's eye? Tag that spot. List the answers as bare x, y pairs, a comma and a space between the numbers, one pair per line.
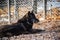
28, 22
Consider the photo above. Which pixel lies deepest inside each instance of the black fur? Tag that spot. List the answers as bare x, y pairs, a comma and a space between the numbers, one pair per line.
22, 25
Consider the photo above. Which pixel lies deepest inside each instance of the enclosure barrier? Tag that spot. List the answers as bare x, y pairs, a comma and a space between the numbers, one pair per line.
12, 10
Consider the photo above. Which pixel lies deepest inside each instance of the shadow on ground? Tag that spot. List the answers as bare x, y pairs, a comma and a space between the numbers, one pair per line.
32, 31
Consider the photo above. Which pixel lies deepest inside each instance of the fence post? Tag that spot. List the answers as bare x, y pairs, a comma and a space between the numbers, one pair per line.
44, 13
35, 6
9, 15
15, 10
51, 8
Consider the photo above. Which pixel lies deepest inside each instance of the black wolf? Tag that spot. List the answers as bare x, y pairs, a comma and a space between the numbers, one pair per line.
22, 25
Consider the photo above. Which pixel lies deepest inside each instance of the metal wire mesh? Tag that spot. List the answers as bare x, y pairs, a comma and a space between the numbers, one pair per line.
18, 8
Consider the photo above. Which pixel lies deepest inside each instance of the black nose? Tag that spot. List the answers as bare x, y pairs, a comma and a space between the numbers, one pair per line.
36, 21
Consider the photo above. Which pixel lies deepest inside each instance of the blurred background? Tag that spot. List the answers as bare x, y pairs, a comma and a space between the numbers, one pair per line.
12, 10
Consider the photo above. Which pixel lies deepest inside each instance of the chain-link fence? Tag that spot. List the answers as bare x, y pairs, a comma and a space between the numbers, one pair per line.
12, 10
3, 12
53, 8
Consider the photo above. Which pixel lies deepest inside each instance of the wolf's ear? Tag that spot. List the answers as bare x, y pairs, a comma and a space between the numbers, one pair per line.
29, 12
